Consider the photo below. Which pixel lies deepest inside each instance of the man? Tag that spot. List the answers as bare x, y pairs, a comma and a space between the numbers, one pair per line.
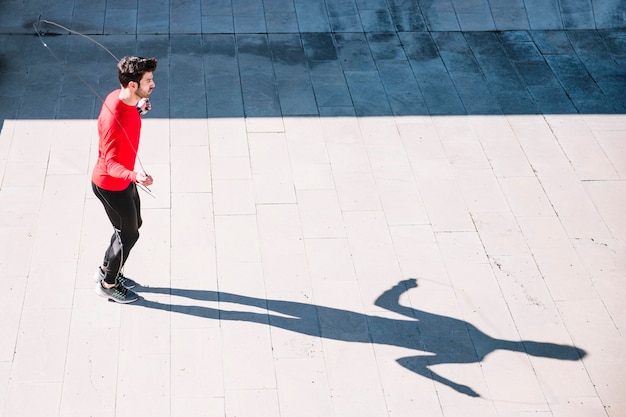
114, 179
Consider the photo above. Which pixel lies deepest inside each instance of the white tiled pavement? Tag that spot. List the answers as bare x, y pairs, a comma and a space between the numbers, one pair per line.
273, 247
511, 224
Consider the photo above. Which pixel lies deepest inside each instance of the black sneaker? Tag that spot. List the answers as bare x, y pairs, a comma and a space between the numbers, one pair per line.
119, 294
98, 276
126, 282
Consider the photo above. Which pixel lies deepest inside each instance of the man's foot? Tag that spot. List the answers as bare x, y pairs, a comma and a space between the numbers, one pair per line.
98, 276
118, 293
126, 282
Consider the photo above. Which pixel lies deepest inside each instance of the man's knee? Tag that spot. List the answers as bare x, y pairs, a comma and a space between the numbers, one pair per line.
130, 237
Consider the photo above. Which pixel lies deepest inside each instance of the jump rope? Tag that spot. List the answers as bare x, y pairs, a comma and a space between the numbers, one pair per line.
40, 34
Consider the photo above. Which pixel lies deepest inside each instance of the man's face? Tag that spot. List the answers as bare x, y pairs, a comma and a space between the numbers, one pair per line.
146, 85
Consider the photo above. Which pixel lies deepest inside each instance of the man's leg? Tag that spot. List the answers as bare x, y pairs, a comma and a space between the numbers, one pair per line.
121, 208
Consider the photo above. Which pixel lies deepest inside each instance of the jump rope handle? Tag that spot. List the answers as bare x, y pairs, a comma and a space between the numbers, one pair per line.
144, 106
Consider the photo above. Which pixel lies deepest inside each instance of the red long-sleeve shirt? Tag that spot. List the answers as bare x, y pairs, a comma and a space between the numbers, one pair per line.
119, 125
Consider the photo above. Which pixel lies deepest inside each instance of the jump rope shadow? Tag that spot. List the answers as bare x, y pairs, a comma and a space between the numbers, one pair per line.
448, 340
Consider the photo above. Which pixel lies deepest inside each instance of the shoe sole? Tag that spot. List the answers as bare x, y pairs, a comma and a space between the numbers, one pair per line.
115, 300
98, 278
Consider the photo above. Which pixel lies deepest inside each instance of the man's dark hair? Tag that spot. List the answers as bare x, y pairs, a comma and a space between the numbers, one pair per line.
132, 68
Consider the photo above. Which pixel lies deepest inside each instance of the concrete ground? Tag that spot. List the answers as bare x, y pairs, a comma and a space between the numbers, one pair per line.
361, 208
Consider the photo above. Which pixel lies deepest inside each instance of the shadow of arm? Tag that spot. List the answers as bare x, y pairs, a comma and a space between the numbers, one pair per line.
390, 299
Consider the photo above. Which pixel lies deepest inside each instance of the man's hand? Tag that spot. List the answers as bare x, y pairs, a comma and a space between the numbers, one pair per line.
144, 106
143, 179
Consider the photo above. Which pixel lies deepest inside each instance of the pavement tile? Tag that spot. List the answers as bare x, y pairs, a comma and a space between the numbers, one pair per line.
471, 21
305, 384
521, 283
252, 402
11, 300
19, 230
284, 219
189, 373
348, 157
501, 147
578, 15
41, 346
417, 251
614, 149
584, 407
320, 214
357, 191
20, 394
237, 239
50, 284
230, 274
401, 87
312, 16
198, 406
378, 20
510, 14
280, 16
368, 236
151, 259
61, 204
584, 152
152, 19
407, 396
454, 405
571, 376
233, 196
89, 372
328, 261
264, 125
469, 411
190, 169
357, 361
312, 176
401, 202
611, 371
185, 17
590, 320
442, 198
149, 391
186, 231
609, 197
556, 257
526, 197
304, 130
406, 16
292, 273
481, 191
227, 138
544, 15
421, 140
5, 372
388, 161
245, 368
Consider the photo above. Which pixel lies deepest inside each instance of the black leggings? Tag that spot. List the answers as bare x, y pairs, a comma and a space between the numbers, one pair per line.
123, 209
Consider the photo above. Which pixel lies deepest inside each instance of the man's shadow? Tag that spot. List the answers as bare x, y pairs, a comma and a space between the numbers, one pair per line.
448, 339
